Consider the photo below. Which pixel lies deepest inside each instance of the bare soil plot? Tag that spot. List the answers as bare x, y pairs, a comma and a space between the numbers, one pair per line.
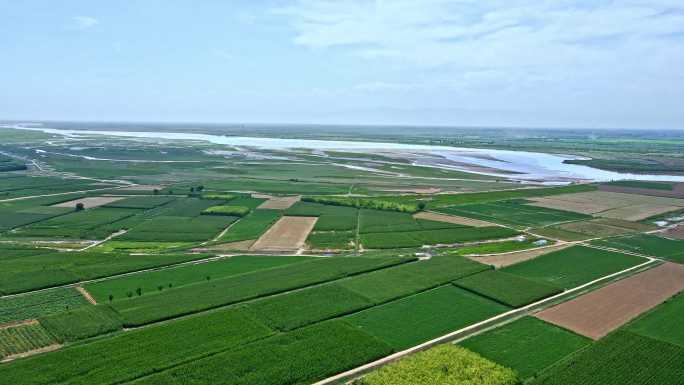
676, 232
611, 204
676, 192
288, 234
277, 203
508, 259
452, 219
90, 202
599, 312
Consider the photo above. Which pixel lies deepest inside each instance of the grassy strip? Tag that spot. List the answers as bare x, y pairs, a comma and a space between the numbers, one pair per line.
527, 345
366, 203
227, 211
507, 289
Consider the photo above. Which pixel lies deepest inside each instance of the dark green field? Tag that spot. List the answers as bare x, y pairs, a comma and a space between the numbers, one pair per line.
573, 266
527, 345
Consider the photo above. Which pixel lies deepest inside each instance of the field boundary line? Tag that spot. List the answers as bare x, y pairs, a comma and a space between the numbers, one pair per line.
98, 243
66, 193
474, 328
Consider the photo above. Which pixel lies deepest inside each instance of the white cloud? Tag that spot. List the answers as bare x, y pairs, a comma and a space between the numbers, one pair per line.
586, 57
84, 22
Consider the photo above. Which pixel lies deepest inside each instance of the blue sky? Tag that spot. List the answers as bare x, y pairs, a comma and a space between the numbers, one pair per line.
562, 63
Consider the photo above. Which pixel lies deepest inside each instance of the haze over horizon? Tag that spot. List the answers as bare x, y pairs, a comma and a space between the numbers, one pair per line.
520, 63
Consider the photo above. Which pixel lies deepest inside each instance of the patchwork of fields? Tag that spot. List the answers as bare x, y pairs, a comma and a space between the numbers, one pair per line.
292, 266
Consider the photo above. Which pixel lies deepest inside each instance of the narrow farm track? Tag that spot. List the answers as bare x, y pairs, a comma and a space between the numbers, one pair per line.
483, 325
66, 193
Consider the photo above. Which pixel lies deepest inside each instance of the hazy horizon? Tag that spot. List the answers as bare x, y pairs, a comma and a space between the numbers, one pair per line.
461, 64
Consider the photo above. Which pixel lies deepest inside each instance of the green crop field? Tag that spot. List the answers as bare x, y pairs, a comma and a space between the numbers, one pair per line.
304, 307
652, 245
620, 358
330, 218
394, 240
175, 277
81, 323
161, 305
573, 266
336, 240
527, 345
251, 227
663, 323
422, 317
509, 289
377, 221
444, 364
22, 274
514, 213
300, 357
35, 305
138, 353
23, 338
388, 284
141, 202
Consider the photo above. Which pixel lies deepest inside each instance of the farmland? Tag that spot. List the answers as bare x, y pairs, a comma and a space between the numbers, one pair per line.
409, 321
129, 261
669, 249
573, 266
622, 357
509, 289
445, 364
527, 345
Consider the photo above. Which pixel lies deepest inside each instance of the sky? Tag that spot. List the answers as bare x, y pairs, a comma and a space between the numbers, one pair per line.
512, 63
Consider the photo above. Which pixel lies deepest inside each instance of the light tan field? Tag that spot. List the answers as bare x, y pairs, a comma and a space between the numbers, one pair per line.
601, 311
90, 202
607, 204
675, 233
507, 259
288, 234
638, 212
277, 203
452, 219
